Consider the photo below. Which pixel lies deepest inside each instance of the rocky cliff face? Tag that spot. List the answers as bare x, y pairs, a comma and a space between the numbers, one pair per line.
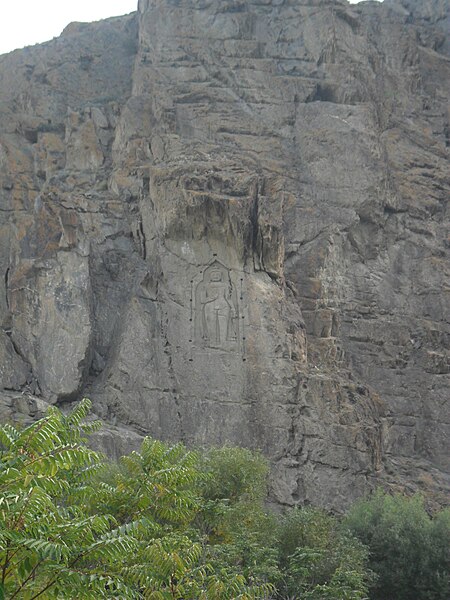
224, 221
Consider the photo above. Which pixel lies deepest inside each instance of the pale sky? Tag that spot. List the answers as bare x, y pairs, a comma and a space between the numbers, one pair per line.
28, 22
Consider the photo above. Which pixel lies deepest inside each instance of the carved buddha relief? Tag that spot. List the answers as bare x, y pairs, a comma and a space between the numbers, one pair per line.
217, 309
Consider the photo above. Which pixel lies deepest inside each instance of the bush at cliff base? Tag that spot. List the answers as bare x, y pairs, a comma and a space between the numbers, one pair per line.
167, 522
409, 549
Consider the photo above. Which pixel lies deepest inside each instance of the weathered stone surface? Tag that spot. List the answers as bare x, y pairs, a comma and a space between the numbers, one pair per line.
225, 222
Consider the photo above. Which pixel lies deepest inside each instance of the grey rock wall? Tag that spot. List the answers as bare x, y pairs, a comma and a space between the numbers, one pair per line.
225, 222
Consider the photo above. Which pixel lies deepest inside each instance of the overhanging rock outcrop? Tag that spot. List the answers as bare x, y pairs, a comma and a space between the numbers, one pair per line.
224, 221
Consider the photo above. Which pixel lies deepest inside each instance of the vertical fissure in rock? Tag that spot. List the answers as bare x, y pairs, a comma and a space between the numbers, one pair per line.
6, 287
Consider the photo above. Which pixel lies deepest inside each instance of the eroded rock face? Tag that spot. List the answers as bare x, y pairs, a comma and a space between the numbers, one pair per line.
225, 222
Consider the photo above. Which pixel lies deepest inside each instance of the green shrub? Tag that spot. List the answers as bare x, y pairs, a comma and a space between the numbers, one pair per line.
170, 523
240, 533
409, 550
235, 474
320, 560
49, 546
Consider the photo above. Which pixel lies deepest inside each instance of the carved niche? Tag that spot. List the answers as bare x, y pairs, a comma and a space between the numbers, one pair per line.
216, 309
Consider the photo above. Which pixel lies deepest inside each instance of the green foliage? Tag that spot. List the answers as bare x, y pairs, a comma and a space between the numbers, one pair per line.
409, 550
241, 535
304, 553
170, 523
247, 544
235, 474
233, 489
48, 546
72, 526
161, 482
318, 559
